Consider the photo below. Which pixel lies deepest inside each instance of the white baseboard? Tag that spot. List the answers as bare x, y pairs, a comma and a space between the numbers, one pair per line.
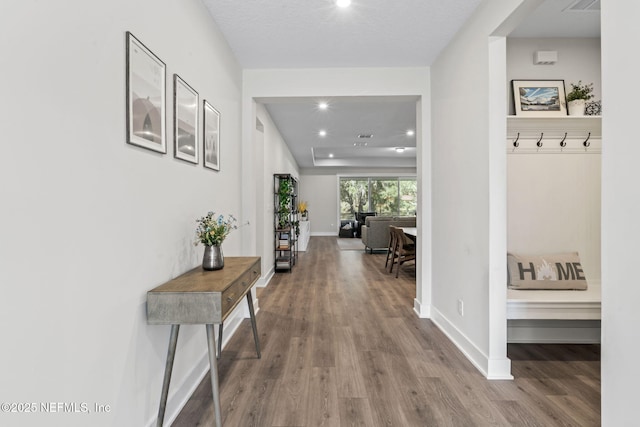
324, 233
499, 369
493, 369
266, 278
553, 331
423, 311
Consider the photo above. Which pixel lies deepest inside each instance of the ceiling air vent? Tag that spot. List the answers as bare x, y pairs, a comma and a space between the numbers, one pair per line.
365, 136
584, 6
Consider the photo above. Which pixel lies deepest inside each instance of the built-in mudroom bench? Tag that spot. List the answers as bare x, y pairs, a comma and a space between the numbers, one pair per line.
554, 206
554, 316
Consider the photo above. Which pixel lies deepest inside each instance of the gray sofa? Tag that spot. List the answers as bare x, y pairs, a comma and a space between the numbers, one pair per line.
375, 232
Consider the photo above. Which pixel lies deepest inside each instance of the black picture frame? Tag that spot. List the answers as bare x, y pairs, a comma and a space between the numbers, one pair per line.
186, 129
211, 136
146, 97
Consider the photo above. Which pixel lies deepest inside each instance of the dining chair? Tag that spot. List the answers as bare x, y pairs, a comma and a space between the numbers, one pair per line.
403, 251
390, 249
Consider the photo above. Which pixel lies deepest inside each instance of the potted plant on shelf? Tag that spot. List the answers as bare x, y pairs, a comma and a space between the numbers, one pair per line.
302, 208
285, 192
578, 97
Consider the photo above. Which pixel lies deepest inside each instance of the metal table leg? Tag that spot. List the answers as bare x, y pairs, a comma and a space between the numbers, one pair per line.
211, 341
253, 323
171, 353
220, 327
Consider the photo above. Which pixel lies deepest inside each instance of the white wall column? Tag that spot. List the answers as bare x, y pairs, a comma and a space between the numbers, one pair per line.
620, 213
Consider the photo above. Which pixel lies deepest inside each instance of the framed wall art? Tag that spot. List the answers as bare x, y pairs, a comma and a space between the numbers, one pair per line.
539, 98
146, 105
211, 137
185, 121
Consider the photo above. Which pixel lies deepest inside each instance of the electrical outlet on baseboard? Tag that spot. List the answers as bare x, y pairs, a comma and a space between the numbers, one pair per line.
461, 307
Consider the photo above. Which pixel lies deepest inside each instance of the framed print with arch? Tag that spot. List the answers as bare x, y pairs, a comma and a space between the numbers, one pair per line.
539, 98
211, 137
146, 92
185, 121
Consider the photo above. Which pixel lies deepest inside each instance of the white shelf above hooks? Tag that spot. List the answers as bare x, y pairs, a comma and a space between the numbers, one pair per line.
568, 134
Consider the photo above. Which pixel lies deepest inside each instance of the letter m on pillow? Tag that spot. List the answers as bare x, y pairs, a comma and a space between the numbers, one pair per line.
572, 268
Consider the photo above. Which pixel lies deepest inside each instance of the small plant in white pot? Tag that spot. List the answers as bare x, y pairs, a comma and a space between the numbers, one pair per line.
578, 97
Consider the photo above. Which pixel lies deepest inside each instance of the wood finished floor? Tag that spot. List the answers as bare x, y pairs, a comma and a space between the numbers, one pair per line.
341, 346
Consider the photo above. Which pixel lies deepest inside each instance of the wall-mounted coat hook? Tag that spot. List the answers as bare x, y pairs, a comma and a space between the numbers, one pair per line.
586, 142
563, 143
539, 143
516, 144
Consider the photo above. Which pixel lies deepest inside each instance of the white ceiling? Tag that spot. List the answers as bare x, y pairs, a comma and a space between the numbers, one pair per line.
371, 33
316, 33
386, 119
562, 18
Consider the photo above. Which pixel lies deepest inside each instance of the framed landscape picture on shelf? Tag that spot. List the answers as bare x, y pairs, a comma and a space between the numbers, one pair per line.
185, 121
146, 109
211, 137
539, 98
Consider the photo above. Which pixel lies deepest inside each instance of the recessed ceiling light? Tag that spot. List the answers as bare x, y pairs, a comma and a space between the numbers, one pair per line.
322, 133
410, 132
343, 3
331, 155
399, 149
323, 105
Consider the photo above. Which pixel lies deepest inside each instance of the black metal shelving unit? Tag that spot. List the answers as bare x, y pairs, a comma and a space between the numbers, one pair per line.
285, 221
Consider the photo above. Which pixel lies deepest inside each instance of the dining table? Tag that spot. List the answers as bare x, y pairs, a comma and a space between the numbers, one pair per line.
412, 232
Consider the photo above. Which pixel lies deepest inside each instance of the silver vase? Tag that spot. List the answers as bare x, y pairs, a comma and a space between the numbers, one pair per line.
213, 258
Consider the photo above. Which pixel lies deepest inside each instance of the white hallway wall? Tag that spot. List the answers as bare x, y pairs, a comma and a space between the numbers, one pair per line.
469, 187
620, 213
554, 206
277, 159
578, 59
89, 224
320, 191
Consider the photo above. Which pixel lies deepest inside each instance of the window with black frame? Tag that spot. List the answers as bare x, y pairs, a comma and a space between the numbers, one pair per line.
386, 196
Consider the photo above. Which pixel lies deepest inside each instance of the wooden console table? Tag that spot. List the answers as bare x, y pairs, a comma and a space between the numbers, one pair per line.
203, 297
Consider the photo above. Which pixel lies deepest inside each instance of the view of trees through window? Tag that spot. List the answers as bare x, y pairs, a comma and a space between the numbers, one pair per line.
386, 196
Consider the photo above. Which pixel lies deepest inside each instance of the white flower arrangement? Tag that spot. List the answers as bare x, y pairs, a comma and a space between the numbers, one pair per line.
213, 230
